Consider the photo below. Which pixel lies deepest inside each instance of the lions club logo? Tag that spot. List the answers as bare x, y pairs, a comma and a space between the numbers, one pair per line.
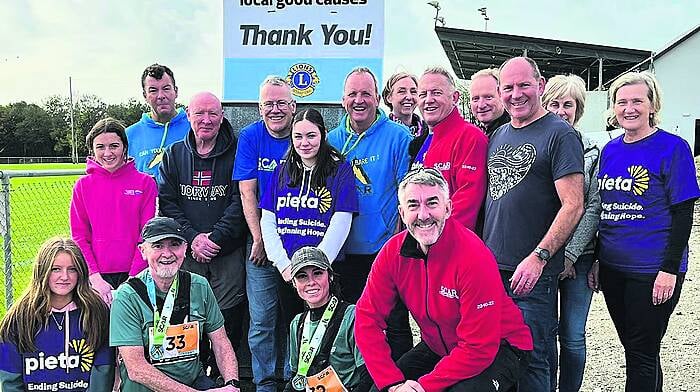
302, 77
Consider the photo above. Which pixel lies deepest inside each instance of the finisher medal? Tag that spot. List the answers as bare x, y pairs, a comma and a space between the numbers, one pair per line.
299, 382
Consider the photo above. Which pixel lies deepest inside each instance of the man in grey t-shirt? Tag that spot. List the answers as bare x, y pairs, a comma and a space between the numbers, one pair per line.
533, 203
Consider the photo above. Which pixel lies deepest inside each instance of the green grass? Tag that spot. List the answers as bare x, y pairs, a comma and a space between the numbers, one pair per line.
38, 210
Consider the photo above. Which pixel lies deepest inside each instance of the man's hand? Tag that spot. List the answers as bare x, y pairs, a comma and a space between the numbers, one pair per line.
287, 274
204, 249
409, 386
258, 255
664, 285
526, 275
569, 270
593, 281
102, 287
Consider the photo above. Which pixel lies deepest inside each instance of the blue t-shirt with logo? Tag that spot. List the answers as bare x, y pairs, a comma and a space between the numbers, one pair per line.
258, 154
639, 182
303, 213
62, 362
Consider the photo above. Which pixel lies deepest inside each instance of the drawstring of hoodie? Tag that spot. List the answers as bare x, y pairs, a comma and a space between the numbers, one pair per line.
305, 170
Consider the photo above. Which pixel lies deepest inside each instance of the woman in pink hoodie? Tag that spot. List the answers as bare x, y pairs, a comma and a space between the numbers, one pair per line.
109, 207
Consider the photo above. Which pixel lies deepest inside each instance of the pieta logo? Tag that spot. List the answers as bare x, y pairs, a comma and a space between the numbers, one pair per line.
302, 77
82, 358
322, 201
637, 182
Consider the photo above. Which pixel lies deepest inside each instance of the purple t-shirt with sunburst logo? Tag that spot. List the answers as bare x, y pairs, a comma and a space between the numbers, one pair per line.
638, 183
303, 213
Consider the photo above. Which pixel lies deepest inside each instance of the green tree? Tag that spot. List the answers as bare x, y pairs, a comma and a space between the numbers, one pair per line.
25, 130
129, 112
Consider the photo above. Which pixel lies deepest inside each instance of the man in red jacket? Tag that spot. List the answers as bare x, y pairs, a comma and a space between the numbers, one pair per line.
455, 147
473, 337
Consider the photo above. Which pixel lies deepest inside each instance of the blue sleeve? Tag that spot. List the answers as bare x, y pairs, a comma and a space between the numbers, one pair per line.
246, 167
345, 189
10, 358
403, 159
680, 182
566, 154
267, 199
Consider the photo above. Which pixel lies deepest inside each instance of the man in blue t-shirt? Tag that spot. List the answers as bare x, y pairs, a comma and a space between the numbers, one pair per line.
534, 202
162, 126
261, 148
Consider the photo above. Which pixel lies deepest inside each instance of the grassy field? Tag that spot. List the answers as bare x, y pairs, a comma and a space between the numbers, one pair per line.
38, 210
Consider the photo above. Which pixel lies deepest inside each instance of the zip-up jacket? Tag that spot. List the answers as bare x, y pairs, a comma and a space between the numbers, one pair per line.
147, 138
456, 296
379, 159
199, 193
458, 150
107, 212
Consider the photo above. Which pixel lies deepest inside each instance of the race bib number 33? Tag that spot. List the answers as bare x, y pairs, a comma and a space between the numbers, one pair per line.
326, 380
181, 343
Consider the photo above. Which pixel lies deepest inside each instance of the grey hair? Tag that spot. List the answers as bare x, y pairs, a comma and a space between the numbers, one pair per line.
653, 94
492, 72
441, 71
424, 177
359, 70
275, 81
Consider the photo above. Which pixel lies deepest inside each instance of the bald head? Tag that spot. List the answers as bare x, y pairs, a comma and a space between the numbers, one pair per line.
521, 88
206, 115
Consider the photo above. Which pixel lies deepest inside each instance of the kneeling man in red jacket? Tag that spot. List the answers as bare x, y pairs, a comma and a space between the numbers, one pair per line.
473, 337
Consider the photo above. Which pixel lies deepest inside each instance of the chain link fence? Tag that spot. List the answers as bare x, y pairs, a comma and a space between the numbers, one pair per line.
33, 207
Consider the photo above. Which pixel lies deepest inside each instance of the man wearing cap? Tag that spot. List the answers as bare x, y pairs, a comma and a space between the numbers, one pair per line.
322, 350
473, 335
157, 318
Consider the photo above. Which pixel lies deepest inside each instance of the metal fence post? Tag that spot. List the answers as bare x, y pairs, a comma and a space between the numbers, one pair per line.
6, 236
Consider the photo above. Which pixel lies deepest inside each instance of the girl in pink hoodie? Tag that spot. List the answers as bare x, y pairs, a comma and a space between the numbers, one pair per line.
109, 207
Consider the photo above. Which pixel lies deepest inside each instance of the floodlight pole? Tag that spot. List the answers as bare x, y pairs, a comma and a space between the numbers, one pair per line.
435, 4
73, 149
482, 10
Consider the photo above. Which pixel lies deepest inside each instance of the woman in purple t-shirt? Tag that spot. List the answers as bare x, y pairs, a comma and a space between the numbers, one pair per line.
648, 188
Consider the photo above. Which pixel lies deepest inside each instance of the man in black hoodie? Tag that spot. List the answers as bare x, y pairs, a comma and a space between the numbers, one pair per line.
195, 188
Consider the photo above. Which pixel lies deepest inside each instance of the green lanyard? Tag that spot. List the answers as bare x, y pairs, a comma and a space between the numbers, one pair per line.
310, 344
345, 152
161, 322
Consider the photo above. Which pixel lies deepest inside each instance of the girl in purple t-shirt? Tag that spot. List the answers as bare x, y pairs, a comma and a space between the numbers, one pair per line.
310, 199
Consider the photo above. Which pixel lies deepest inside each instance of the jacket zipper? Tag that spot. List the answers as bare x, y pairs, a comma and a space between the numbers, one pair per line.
427, 309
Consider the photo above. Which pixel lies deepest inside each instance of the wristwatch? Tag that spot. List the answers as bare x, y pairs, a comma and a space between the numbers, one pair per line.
234, 383
543, 254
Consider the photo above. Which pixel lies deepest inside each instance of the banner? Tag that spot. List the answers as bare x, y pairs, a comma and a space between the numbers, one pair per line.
311, 43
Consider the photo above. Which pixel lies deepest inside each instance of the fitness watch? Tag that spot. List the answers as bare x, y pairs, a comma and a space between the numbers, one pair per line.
543, 254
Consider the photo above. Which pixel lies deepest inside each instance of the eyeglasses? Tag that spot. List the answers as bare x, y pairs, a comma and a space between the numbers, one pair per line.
281, 104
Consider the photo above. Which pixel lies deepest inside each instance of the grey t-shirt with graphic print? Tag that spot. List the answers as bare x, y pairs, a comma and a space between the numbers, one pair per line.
521, 199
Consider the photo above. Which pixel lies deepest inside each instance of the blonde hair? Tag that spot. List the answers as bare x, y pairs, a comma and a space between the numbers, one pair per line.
492, 72
653, 93
389, 87
561, 86
32, 310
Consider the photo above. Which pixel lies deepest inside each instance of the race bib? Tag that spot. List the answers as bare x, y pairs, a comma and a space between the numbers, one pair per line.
326, 380
181, 343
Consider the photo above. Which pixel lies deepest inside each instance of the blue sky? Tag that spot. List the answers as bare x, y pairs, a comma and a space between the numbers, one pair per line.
105, 45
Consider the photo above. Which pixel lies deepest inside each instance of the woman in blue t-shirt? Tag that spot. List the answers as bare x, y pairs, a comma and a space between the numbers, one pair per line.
310, 199
54, 338
648, 188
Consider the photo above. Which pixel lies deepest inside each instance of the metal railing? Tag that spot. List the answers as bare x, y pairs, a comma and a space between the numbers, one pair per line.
33, 207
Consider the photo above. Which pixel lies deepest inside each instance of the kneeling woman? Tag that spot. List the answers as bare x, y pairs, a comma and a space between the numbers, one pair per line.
322, 350
54, 338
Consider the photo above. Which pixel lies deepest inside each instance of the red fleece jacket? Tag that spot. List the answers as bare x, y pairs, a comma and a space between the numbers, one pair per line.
455, 295
458, 150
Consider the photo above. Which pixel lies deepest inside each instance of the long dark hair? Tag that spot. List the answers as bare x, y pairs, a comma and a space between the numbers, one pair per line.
327, 159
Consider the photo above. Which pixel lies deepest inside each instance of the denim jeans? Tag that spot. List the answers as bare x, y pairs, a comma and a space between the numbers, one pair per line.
640, 324
539, 309
574, 302
263, 303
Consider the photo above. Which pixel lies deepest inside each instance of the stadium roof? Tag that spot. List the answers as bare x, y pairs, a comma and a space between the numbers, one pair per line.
470, 51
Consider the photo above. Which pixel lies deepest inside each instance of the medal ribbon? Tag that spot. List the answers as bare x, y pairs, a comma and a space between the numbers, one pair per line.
310, 344
161, 321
